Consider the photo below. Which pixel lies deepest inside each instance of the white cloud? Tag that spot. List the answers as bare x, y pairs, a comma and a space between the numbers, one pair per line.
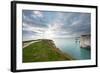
25, 25
76, 23
38, 30
37, 13
55, 26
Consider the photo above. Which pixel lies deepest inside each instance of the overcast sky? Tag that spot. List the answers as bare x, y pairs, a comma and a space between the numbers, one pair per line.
50, 24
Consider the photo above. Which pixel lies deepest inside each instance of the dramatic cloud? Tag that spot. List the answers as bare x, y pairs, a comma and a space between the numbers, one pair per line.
48, 24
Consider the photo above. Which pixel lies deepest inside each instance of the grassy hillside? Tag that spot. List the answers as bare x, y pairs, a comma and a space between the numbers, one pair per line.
43, 50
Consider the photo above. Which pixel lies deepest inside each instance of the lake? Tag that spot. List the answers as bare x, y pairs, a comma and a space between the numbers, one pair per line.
72, 47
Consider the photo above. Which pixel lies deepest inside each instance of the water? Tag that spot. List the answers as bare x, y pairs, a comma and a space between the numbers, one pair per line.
72, 47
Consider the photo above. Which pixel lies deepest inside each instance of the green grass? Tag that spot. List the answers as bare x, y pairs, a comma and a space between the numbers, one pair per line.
43, 50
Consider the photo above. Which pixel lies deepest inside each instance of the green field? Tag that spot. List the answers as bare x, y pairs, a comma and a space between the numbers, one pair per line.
43, 50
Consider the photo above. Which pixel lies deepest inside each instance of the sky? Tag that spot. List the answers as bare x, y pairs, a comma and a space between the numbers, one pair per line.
53, 24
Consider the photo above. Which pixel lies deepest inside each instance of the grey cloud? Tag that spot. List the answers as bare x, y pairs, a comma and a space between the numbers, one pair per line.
28, 18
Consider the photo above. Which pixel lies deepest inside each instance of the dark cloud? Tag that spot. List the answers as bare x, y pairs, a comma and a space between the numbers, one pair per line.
31, 19
28, 33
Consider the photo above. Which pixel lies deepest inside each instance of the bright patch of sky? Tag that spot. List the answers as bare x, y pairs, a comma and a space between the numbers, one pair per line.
51, 24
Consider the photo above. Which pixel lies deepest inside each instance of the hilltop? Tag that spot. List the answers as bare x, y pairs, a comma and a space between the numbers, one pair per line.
43, 50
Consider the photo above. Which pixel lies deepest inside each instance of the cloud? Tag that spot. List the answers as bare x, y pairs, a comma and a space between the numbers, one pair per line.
33, 19
37, 14
27, 27
57, 24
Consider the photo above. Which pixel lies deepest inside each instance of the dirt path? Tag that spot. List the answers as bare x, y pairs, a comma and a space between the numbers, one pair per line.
29, 43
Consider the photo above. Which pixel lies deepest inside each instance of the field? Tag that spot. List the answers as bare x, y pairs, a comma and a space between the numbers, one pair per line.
43, 50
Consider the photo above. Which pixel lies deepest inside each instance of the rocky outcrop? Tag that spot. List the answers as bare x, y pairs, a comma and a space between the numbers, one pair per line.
85, 41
